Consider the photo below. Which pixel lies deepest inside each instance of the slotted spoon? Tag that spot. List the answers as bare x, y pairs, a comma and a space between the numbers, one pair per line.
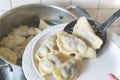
100, 29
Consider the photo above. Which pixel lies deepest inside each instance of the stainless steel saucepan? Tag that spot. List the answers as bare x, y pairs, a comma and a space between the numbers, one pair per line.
30, 15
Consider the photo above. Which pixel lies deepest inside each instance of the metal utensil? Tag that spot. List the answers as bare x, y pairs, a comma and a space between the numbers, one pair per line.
100, 29
9, 71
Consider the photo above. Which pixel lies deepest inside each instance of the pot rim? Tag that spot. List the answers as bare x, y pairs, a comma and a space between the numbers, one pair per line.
35, 4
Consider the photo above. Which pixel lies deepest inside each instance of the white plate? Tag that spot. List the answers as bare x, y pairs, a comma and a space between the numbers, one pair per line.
94, 69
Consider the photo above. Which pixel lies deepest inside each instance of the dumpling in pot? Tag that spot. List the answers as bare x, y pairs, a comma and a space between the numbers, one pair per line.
25, 30
70, 70
43, 25
51, 61
12, 41
19, 50
74, 46
8, 54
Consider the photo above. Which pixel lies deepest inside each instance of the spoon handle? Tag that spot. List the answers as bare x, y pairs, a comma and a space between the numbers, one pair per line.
110, 20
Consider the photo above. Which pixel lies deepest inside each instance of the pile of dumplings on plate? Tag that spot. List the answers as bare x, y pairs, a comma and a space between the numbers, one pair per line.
61, 54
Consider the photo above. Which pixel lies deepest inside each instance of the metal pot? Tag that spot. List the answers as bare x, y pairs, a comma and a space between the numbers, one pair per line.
30, 15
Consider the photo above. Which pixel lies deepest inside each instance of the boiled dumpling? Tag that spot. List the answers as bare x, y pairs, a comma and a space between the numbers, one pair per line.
11, 41
8, 54
19, 50
25, 30
43, 25
51, 61
70, 70
84, 30
74, 46
47, 46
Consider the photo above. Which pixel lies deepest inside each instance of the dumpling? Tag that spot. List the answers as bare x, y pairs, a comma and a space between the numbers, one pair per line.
25, 31
21, 47
47, 46
8, 54
28, 39
70, 70
43, 25
51, 61
84, 30
12, 41
74, 46
49, 77
19, 50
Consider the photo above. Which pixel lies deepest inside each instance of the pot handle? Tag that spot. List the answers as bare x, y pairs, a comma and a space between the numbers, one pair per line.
4, 63
79, 10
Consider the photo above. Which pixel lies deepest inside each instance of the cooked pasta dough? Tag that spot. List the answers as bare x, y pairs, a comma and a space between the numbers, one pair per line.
84, 30
8, 54
25, 30
69, 70
19, 50
70, 44
18, 37
51, 61
12, 41
43, 25
47, 46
